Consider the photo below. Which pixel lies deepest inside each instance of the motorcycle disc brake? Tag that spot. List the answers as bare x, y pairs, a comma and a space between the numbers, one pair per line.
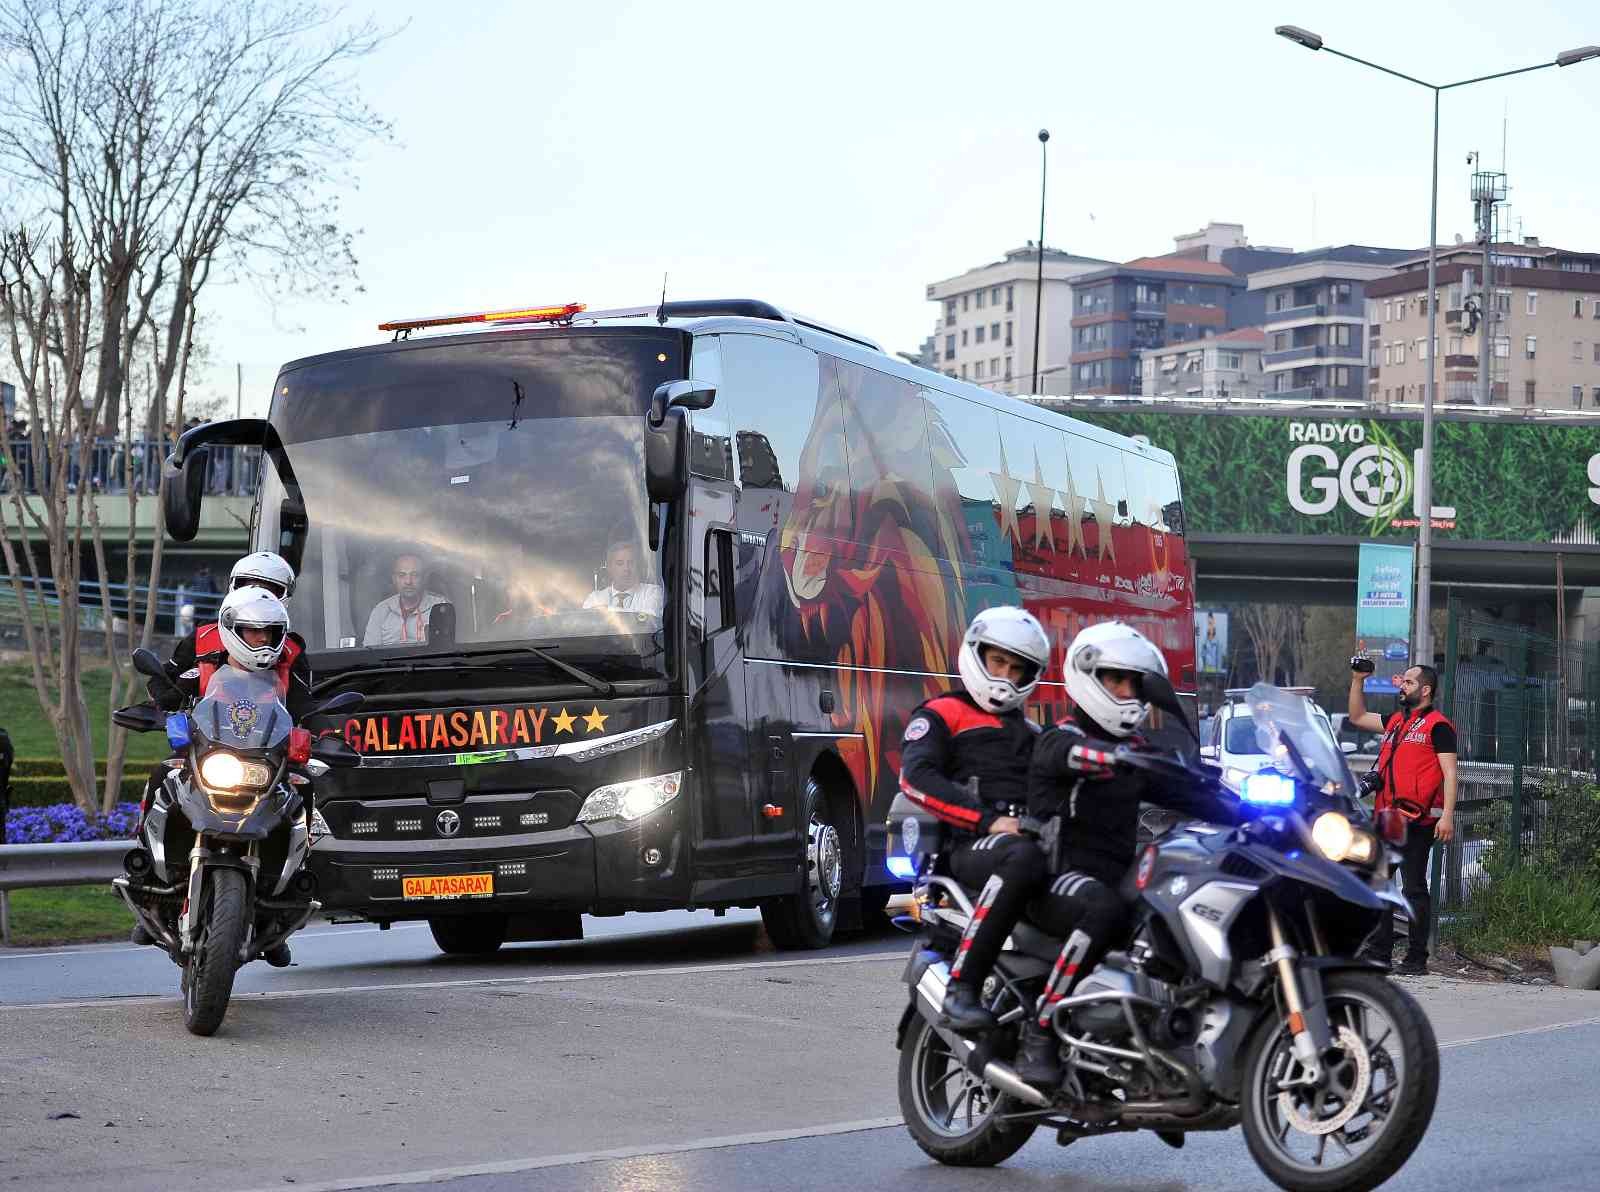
1353, 1096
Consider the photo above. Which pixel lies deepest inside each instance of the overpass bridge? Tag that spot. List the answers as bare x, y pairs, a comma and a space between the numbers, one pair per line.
1279, 496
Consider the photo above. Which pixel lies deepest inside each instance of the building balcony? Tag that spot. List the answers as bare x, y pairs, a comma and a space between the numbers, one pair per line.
1300, 393
1290, 356
1147, 310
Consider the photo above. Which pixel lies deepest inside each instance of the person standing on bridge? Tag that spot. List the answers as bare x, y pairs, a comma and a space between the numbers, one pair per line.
1417, 777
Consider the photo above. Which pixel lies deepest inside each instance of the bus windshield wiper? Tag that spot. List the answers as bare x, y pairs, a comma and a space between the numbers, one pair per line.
465, 660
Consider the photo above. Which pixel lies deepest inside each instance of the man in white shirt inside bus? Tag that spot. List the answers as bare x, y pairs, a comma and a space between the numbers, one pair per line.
402, 619
625, 591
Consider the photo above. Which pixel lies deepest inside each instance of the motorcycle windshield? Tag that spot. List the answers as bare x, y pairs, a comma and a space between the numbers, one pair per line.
1283, 720
242, 710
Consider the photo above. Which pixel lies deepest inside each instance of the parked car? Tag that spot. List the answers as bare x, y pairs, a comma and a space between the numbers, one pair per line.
1232, 742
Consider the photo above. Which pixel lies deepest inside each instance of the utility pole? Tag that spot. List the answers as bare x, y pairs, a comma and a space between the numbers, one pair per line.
238, 391
1038, 290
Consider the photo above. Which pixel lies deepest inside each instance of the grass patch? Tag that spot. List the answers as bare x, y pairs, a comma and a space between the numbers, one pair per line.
68, 915
1529, 907
29, 728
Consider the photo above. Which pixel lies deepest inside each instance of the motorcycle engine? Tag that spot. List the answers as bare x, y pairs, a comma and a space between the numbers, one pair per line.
1166, 1026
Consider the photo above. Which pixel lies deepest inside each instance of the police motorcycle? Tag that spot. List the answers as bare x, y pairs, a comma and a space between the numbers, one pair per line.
217, 877
1238, 998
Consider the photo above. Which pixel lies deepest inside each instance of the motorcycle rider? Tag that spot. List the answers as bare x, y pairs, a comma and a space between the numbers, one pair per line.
251, 633
965, 760
1072, 776
263, 569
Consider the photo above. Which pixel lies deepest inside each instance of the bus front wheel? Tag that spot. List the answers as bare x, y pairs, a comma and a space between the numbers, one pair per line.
806, 918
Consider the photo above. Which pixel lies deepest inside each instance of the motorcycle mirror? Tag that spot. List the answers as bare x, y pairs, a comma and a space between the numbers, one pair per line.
146, 663
1158, 691
335, 752
140, 718
345, 701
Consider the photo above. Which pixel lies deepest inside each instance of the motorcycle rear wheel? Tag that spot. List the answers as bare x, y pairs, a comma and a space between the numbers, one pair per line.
952, 1115
1314, 1142
208, 972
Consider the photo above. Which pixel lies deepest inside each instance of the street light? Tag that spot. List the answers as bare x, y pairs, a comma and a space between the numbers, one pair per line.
1422, 646
1038, 284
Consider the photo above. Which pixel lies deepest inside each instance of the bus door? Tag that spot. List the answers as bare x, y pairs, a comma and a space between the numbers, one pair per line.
727, 811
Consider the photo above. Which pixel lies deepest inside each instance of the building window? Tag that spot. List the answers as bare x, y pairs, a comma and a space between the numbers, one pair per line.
963, 372
1577, 349
1597, 308
1341, 376
981, 295
1597, 351
1008, 331
1280, 300
1453, 347
1422, 348
964, 334
964, 300
1399, 351
1010, 297
949, 347
1388, 352
1502, 302
1387, 311
977, 334
1280, 341
1502, 347
1008, 368
1533, 302
1527, 393
1230, 361
994, 332
977, 370
994, 296
949, 312
1339, 335
1577, 308
1530, 346
1452, 297
1341, 292
1577, 397
1594, 396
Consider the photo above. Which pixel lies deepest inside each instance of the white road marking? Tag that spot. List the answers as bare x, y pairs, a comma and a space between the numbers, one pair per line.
510, 1166
469, 982
110, 950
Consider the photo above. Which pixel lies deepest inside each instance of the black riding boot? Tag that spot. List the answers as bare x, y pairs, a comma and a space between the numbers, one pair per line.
1039, 1062
962, 1013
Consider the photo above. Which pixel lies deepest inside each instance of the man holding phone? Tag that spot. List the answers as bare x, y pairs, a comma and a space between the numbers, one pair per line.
1416, 776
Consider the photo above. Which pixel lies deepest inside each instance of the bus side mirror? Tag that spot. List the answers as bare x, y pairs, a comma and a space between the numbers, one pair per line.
682, 395
666, 444
180, 500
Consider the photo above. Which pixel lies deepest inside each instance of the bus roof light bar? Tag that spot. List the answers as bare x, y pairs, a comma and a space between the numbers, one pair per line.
529, 314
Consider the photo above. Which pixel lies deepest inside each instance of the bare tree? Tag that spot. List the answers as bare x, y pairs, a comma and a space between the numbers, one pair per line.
146, 146
1274, 631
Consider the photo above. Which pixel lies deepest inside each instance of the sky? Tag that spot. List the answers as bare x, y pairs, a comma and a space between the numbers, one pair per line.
835, 158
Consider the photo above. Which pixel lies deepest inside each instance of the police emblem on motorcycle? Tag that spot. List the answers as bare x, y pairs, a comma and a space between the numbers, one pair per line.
448, 823
1146, 863
242, 717
910, 833
1178, 886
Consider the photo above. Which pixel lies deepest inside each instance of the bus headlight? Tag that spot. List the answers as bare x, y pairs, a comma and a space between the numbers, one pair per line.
631, 800
1340, 841
224, 771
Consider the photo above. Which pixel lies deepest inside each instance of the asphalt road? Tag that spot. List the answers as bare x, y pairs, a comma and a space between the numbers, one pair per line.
664, 1051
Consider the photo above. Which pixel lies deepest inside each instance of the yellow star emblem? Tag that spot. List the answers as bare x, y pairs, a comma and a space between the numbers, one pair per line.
563, 722
595, 720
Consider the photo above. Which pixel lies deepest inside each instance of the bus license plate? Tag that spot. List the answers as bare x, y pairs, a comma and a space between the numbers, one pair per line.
453, 885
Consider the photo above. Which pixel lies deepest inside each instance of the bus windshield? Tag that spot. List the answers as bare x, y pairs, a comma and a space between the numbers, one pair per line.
503, 478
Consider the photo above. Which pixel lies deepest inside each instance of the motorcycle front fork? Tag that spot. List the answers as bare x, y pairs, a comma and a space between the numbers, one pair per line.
202, 852
1302, 994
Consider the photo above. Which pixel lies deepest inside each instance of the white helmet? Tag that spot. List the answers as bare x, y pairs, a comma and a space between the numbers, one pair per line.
1110, 646
263, 569
253, 608
1012, 630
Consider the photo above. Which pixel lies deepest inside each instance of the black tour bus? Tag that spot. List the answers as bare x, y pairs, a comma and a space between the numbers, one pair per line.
640, 601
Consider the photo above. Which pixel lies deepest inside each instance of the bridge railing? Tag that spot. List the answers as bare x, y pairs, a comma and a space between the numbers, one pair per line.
178, 609
113, 466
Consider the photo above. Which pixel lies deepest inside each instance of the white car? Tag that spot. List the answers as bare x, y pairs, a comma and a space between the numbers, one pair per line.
1231, 742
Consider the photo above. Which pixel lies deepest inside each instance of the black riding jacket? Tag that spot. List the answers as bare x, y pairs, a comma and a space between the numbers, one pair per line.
1072, 776
949, 741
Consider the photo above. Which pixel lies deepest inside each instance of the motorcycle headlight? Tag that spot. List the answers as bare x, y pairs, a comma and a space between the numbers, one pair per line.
1339, 840
631, 800
224, 771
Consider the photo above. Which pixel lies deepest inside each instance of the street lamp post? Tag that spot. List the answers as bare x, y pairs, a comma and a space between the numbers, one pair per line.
1038, 283
1422, 642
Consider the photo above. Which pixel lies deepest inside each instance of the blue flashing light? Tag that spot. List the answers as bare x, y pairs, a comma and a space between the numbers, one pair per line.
1268, 788
903, 868
178, 730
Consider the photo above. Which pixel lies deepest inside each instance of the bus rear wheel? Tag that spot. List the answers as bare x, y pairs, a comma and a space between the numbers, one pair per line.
468, 935
806, 918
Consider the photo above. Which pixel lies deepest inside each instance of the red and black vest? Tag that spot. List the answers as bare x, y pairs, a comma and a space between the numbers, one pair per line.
1408, 763
208, 640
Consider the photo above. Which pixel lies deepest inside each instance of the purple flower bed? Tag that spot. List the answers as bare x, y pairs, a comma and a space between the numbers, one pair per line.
65, 822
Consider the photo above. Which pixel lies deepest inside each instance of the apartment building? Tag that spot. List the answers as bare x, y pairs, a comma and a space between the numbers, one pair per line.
1224, 365
984, 332
1315, 320
1543, 325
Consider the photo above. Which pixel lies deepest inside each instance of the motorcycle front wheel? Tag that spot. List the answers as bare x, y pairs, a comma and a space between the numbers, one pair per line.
208, 971
953, 1115
1358, 1125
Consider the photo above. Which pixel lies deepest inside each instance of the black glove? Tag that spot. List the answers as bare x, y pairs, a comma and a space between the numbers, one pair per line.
166, 695
1362, 665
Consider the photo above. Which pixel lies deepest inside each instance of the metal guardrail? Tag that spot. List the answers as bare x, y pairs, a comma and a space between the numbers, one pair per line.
40, 866
114, 466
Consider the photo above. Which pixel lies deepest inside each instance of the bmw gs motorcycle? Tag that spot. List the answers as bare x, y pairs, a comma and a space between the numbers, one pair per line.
1239, 997
217, 876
